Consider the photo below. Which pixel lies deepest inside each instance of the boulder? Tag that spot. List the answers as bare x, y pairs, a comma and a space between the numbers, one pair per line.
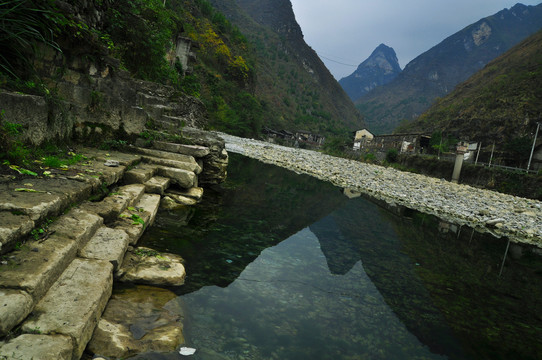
147, 266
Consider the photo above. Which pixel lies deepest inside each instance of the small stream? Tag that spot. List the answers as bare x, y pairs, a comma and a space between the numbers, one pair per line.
283, 266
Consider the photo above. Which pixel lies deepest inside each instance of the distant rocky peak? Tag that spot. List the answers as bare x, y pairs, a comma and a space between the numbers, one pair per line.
379, 69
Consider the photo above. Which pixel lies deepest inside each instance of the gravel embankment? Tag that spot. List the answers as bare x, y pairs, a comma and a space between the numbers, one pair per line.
518, 218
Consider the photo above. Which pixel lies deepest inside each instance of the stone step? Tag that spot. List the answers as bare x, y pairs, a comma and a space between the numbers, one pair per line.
74, 304
12, 228
196, 151
136, 219
32, 270
157, 185
42, 198
106, 244
38, 347
114, 204
188, 166
165, 155
184, 178
139, 175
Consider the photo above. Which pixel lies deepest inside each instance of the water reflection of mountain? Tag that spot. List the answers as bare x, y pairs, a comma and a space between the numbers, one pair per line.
358, 231
259, 206
439, 284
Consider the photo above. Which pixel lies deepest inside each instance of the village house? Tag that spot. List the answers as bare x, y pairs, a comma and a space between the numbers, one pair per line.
361, 137
414, 143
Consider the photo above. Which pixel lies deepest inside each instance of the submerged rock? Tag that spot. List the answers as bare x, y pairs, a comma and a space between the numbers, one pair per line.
138, 320
147, 266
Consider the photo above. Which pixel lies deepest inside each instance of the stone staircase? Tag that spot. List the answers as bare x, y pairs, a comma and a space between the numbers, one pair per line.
54, 288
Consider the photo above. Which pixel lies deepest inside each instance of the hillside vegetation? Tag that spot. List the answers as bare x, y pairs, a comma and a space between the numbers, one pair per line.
501, 103
245, 81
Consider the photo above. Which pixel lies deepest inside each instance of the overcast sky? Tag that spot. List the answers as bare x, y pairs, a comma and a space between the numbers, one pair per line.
347, 31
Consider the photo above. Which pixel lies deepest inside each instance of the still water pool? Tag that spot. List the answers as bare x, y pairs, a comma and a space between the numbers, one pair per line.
283, 266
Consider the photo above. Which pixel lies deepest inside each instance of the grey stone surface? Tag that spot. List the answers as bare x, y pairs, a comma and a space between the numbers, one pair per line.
183, 178
157, 185
146, 266
183, 200
74, 304
15, 305
518, 218
194, 193
12, 228
184, 165
77, 224
146, 210
113, 205
196, 151
37, 347
139, 175
107, 244
37, 265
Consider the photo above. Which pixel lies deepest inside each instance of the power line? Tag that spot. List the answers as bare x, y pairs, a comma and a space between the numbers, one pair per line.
338, 62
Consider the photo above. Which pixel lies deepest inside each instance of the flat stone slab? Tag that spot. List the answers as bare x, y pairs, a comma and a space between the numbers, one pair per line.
183, 178
37, 347
138, 320
165, 155
134, 220
107, 244
125, 159
41, 198
147, 266
195, 193
37, 266
78, 225
113, 205
139, 174
189, 166
15, 305
182, 200
157, 185
196, 151
12, 228
74, 303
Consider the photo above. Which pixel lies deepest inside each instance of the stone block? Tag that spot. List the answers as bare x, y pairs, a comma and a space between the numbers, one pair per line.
147, 266
12, 228
196, 151
185, 165
37, 266
157, 185
138, 175
78, 225
183, 178
146, 210
107, 244
75, 302
165, 155
195, 193
38, 347
113, 205
15, 305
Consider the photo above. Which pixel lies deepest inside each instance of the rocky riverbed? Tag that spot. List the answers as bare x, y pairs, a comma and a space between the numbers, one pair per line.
517, 218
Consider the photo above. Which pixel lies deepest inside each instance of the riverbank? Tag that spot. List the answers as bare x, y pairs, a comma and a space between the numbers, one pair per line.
503, 215
66, 234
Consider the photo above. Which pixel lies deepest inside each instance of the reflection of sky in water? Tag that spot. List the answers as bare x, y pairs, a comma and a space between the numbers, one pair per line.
286, 304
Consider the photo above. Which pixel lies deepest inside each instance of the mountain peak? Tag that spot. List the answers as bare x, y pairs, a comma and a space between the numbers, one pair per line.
380, 68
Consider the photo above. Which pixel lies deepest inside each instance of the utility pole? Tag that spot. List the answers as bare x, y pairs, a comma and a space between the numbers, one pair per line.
492, 150
478, 153
534, 144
